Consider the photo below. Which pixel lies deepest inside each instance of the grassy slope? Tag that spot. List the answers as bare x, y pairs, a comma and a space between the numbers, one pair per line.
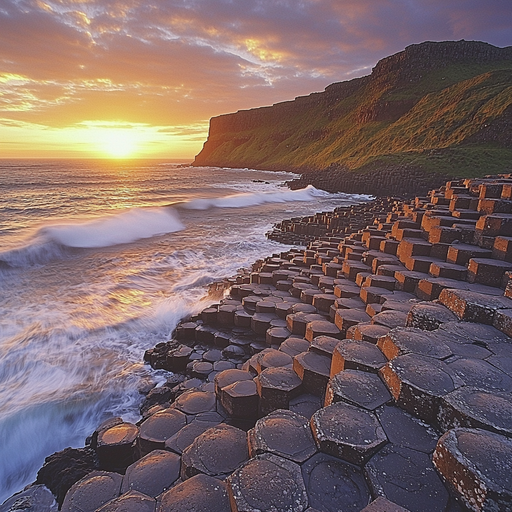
451, 105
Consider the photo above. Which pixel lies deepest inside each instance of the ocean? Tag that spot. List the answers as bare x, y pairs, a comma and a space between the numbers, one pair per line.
98, 262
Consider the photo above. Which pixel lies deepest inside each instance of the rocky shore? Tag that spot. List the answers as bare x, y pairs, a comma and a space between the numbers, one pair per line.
371, 372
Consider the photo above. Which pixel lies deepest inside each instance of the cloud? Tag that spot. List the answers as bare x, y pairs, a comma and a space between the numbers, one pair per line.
175, 62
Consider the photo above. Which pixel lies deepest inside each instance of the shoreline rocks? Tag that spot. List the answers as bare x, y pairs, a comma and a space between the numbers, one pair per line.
372, 369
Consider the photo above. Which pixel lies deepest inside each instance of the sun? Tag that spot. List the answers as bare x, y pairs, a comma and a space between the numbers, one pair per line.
119, 143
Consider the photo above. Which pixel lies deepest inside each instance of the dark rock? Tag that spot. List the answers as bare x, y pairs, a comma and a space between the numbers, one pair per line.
356, 355
276, 387
132, 501
35, 498
382, 504
158, 428
313, 369
332, 483
116, 446
200, 493
62, 469
305, 405
195, 402
267, 483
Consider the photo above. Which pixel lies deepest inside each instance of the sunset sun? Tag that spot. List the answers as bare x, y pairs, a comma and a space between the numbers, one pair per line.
119, 143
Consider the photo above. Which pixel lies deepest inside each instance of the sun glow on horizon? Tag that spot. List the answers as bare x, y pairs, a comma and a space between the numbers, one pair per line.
119, 143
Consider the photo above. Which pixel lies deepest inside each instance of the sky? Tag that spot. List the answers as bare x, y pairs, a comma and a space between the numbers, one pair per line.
130, 78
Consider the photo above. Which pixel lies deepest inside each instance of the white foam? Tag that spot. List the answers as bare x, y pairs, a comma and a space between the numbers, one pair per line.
116, 229
257, 198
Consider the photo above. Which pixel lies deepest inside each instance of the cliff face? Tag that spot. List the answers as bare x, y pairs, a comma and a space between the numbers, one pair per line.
429, 100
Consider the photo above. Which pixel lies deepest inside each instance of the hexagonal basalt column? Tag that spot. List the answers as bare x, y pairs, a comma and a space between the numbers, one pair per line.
321, 328
132, 501
227, 377
283, 433
276, 387
296, 323
475, 408
272, 359
428, 316
92, 492
382, 504
477, 466
153, 474
241, 399
356, 355
195, 402
331, 482
418, 383
267, 483
481, 374
200, 493
313, 369
350, 433
116, 446
217, 452
158, 428
407, 477
358, 388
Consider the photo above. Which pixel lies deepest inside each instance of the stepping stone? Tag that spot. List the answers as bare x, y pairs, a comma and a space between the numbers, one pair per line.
377, 281
475, 408
153, 474
346, 318
353, 303
91, 492
132, 501
158, 428
478, 373
469, 332
356, 355
346, 290
321, 328
305, 405
407, 477
418, 383
331, 482
405, 340
227, 377
116, 446
473, 307
428, 316
260, 322
324, 345
448, 270
276, 335
313, 369
283, 433
265, 306
374, 294
241, 399
390, 318
272, 358
369, 332
200, 493
460, 254
296, 323
477, 467
431, 287
347, 432
217, 452
276, 387
407, 280
405, 430
358, 388
294, 346
200, 369
267, 483
382, 504
487, 271
195, 402
185, 437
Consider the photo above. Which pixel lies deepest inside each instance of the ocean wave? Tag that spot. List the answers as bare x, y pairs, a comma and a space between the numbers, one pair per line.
256, 198
56, 241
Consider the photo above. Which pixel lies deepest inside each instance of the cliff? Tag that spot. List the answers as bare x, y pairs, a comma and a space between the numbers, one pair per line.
434, 111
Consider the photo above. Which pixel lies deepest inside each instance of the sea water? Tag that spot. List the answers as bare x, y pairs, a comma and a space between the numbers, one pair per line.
98, 262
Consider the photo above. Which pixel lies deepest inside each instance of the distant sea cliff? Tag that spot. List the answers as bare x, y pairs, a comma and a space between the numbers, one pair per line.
433, 112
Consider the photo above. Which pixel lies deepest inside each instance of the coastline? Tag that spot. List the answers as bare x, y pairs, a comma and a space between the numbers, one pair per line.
359, 300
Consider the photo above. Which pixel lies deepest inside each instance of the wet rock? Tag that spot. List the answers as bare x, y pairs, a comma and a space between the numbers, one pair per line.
267, 483
305, 405
283, 433
382, 504
153, 474
418, 383
369, 332
217, 452
477, 466
428, 316
158, 428
276, 387
92, 491
347, 432
195, 402
132, 501
324, 345
358, 388
272, 359
321, 328
390, 318
294, 346
405, 430
36, 498
227, 377
331, 482
200, 493
62, 469
406, 477
241, 399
